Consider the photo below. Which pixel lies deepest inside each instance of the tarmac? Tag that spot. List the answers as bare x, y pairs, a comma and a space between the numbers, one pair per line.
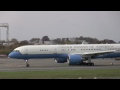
8, 64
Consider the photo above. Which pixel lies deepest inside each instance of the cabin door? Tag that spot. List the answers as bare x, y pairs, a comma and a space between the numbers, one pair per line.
26, 51
55, 50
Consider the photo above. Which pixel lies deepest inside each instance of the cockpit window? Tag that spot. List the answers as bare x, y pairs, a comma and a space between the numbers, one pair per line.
16, 50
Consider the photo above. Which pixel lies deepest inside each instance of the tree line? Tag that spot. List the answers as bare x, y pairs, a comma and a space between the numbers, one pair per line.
7, 49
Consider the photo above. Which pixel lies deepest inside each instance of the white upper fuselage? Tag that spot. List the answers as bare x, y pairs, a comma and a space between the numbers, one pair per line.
67, 49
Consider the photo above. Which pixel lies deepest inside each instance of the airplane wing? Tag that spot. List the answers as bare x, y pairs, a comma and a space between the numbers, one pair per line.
87, 54
99, 52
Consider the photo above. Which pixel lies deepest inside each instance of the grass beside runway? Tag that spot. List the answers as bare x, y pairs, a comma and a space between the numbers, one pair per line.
62, 74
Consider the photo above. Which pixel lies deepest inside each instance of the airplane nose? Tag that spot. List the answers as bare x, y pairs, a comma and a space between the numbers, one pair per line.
10, 55
15, 55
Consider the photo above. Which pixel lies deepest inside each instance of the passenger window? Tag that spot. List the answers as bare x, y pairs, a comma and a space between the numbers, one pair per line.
16, 50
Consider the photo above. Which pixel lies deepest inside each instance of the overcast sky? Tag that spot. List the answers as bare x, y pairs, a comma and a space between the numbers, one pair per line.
24, 25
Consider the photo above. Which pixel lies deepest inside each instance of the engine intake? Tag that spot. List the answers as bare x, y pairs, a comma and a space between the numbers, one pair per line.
74, 59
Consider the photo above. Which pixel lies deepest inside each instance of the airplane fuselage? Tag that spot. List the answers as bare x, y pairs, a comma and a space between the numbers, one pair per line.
73, 52
54, 51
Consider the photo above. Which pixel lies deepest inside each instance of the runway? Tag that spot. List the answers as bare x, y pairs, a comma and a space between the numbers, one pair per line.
7, 64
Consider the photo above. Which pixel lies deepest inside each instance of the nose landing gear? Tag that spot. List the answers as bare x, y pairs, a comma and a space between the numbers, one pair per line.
27, 64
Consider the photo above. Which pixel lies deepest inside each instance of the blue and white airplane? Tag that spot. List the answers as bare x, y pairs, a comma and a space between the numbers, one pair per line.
71, 53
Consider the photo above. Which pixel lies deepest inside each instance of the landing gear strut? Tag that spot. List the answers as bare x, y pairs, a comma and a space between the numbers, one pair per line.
27, 64
89, 63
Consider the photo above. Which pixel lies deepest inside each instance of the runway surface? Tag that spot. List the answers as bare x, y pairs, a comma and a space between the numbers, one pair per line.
49, 64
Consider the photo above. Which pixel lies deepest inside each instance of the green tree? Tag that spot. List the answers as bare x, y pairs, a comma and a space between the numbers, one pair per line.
14, 40
25, 42
45, 38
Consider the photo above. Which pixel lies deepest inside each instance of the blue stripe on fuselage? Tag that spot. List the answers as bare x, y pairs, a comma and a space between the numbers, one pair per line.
32, 56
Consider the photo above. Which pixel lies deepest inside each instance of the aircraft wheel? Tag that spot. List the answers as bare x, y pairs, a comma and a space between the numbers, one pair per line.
84, 63
27, 65
88, 64
92, 64
80, 64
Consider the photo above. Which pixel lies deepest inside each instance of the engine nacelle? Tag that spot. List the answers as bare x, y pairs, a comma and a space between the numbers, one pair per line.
61, 60
74, 59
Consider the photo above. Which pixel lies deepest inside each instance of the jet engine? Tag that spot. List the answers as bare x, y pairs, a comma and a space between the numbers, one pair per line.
74, 59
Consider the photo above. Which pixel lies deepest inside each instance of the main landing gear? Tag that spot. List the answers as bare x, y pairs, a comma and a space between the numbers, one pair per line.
89, 63
86, 63
27, 64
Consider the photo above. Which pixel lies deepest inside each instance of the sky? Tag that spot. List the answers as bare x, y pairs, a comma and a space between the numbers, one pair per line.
25, 25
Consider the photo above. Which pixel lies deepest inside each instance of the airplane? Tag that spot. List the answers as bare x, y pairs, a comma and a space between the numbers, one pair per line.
72, 53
